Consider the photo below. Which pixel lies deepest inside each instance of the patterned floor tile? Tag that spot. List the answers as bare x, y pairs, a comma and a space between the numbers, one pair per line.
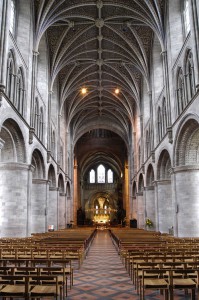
103, 276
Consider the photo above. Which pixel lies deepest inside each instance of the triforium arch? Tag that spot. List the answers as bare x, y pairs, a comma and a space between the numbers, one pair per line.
186, 174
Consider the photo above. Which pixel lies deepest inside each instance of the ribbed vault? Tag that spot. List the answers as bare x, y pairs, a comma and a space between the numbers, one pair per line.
100, 45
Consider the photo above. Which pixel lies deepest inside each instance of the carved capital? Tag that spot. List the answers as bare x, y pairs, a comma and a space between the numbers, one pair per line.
170, 134
48, 156
143, 168
58, 169
153, 156
31, 134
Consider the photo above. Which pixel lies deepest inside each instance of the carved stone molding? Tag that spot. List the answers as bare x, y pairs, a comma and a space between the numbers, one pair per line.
188, 168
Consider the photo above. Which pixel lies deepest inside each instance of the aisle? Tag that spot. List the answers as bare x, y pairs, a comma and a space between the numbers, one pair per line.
102, 275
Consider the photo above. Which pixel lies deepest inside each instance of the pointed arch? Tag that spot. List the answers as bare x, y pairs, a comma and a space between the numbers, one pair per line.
159, 124
10, 78
20, 91
190, 79
180, 91
187, 143
36, 116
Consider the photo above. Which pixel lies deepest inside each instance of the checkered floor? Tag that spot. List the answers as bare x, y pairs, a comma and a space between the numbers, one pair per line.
103, 276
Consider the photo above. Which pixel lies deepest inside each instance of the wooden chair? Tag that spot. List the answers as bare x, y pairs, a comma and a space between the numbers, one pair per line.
179, 279
56, 271
13, 289
153, 280
45, 286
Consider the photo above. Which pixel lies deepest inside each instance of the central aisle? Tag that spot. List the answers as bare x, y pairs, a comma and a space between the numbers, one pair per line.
102, 275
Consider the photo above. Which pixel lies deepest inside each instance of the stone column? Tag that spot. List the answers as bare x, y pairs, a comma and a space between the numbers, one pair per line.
195, 30
33, 84
156, 205
49, 122
15, 202
166, 81
62, 211
164, 205
140, 210
29, 200
150, 204
4, 33
75, 194
126, 193
39, 205
187, 204
2, 143
53, 207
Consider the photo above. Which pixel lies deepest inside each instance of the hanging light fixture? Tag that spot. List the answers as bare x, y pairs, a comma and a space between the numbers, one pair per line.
117, 91
84, 91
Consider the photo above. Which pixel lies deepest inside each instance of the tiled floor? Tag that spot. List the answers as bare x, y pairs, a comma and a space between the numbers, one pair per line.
103, 276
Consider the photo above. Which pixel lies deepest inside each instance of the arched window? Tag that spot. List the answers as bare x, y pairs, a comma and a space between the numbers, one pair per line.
101, 174
41, 125
190, 82
53, 143
110, 176
20, 91
61, 156
10, 80
12, 16
147, 144
186, 17
139, 157
164, 117
180, 92
92, 176
159, 124
36, 117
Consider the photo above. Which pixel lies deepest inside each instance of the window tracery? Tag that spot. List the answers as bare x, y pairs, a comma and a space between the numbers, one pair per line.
101, 175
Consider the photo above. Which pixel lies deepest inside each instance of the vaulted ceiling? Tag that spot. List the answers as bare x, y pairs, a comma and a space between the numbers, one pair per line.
99, 45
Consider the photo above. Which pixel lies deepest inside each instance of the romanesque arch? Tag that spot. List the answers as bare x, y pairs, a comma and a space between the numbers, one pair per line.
12, 142
186, 174
14, 180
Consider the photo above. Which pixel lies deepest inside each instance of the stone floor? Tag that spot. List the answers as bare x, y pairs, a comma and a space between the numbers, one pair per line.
103, 276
